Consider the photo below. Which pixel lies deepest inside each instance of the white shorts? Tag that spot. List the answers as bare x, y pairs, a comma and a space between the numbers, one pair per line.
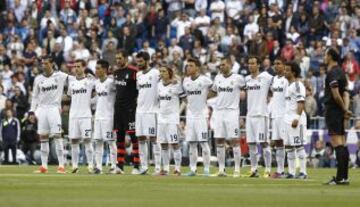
196, 130
226, 124
145, 124
49, 121
103, 129
80, 128
294, 136
257, 129
168, 133
276, 127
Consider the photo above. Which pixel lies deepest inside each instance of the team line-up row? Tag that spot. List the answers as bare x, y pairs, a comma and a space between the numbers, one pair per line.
144, 102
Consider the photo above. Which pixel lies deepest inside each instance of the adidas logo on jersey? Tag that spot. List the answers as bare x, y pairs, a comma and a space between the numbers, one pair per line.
227, 89
146, 85
166, 98
82, 90
49, 88
193, 92
120, 82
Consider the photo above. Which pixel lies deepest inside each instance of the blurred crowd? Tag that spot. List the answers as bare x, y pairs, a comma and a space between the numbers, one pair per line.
172, 31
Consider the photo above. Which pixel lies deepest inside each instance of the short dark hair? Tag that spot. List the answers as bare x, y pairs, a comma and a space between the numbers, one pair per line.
83, 62
103, 63
295, 68
143, 55
255, 57
47, 57
194, 60
333, 54
123, 52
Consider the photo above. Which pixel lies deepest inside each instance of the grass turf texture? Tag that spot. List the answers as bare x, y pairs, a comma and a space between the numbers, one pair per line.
20, 187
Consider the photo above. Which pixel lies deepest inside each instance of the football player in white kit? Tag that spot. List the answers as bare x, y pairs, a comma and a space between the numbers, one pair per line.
46, 104
146, 111
227, 86
104, 113
196, 87
278, 88
80, 128
295, 121
169, 92
257, 87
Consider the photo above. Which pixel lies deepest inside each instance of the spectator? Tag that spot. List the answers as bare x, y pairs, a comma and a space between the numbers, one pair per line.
10, 135
21, 103
351, 68
127, 41
317, 153
217, 8
2, 98
29, 137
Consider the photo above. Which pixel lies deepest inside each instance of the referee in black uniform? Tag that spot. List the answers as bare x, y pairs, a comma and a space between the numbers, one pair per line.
125, 107
336, 113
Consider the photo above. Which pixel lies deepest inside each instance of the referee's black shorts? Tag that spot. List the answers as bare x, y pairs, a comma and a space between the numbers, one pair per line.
124, 120
334, 118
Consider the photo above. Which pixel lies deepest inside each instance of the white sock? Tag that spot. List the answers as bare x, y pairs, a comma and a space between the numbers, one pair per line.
220, 152
165, 159
253, 157
44, 148
75, 150
113, 153
59, 145
193, 155
353, 159
267, 158
177, 158
157, 155
99, 151
280, 159
291, 161
237, 157
89, 151
143, 151
206, 155
301, 154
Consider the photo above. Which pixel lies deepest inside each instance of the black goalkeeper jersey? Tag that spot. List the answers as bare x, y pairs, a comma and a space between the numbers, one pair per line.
126, 91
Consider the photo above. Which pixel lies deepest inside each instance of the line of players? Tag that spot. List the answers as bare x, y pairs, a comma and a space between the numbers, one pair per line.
148, 101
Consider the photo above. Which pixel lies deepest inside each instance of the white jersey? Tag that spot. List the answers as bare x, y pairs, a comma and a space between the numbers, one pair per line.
105, 92
278, 88
80, 92
257, 94
295, 93
228, 91
169, 103
147, 84
196, 92
48, 91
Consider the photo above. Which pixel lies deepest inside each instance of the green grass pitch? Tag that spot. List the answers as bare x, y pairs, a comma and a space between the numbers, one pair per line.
20, 187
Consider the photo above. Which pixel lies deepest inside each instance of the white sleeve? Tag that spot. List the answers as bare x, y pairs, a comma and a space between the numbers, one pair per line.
214, 86
240, 81
18, 129
207, 82
300, 91
35, 95
68, 92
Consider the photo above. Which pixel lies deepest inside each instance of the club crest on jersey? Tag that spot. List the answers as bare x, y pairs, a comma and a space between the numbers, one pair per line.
232, 83
150, 77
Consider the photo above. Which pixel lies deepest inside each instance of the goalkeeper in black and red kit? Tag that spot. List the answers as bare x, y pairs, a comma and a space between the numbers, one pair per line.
125, 107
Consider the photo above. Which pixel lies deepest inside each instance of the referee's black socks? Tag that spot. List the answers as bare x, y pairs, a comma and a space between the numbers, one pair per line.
342, 158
